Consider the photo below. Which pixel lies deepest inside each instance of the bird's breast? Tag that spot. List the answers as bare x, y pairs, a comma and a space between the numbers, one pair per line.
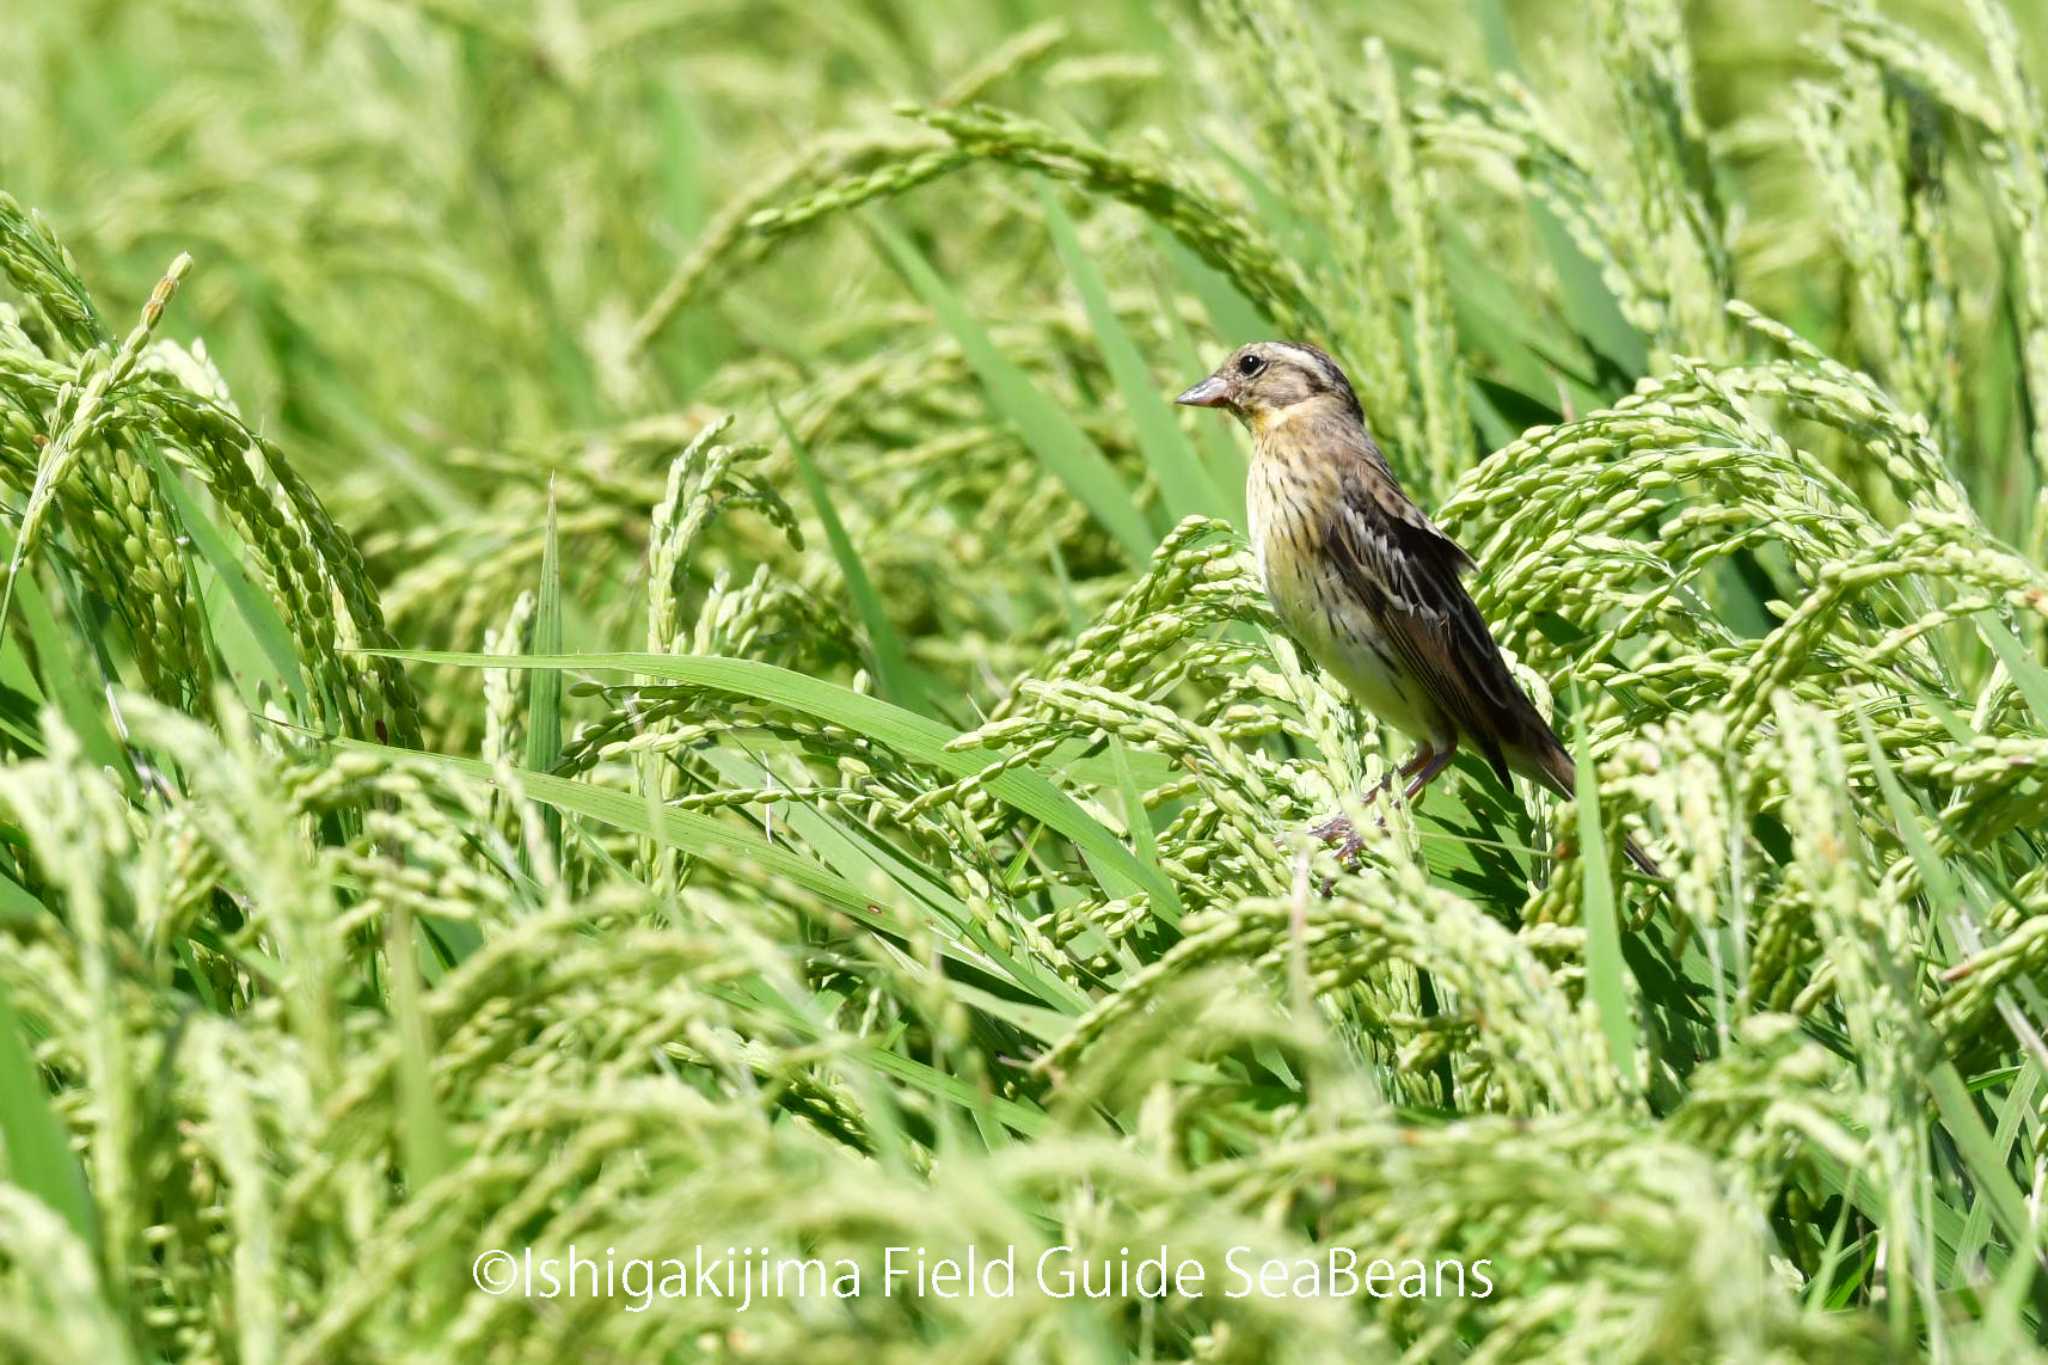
1289, 511
1289, 516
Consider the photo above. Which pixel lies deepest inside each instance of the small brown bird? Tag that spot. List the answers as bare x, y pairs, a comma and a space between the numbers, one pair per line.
1363, 579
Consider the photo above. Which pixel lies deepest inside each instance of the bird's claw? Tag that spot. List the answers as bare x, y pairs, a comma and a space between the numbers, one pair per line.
1338, 830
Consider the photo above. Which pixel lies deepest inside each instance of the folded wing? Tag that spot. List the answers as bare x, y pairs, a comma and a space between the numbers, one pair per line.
1406, 573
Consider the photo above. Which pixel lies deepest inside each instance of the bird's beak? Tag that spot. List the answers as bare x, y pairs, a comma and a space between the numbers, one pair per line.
1210, 393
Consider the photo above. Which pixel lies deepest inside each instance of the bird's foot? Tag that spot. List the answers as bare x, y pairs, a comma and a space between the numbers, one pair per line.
1339, 830
1420, 769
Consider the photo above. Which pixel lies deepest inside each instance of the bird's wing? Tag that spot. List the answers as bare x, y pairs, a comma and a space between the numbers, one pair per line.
1406, 573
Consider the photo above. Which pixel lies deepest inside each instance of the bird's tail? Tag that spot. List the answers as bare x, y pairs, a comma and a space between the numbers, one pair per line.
1548, 763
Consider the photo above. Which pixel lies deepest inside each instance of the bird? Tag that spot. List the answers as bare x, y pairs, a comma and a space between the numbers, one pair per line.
1368, 584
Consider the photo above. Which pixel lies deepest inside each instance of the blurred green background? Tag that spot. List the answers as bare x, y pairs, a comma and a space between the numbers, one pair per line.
431, 227
822, 350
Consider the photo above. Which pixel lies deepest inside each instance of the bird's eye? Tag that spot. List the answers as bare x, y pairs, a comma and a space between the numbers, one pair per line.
1250, 366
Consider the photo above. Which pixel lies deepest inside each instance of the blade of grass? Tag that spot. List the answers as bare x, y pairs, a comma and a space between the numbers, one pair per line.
1045, 428
63, 676
1183, 482
1995, 1188
1279, 214
1492, 17
2019, 1105
2027, 675
698, 835
1022, 1118
1532, 349
898, 681
1606, 972
1857, 1188
916, 737
38, 1153
1821, 1286
428, 1146
17, 904
1236, 318
1140, 820
544, 690
258, 613
851, 851
1588, 304
1987, 1167
1942, 889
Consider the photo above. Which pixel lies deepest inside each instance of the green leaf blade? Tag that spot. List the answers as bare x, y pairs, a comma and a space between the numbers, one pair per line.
1183, 482
899, 681
1045, 428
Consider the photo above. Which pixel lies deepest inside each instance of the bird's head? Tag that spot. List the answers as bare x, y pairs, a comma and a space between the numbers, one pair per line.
1271, 381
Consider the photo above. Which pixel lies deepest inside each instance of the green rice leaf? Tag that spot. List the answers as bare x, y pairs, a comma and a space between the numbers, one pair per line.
253, 606
698, 835
1183, 482
915, 737
37, 1149
1607, 975
544, 694
2027, 674
899, 681
1045, 428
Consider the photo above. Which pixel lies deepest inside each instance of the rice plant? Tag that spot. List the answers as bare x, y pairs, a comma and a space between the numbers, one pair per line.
612, 657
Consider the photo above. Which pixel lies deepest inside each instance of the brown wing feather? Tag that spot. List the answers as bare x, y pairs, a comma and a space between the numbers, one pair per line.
1406, 572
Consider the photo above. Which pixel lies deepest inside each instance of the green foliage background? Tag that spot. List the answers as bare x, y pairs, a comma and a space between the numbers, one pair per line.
628, 652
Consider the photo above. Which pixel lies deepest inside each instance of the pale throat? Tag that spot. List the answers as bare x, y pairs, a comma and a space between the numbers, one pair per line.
1268, 421
1265, 421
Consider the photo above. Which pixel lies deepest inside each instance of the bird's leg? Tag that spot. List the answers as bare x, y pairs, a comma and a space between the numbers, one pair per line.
1422, 758
1423, 773
1418, 760
1338, 829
